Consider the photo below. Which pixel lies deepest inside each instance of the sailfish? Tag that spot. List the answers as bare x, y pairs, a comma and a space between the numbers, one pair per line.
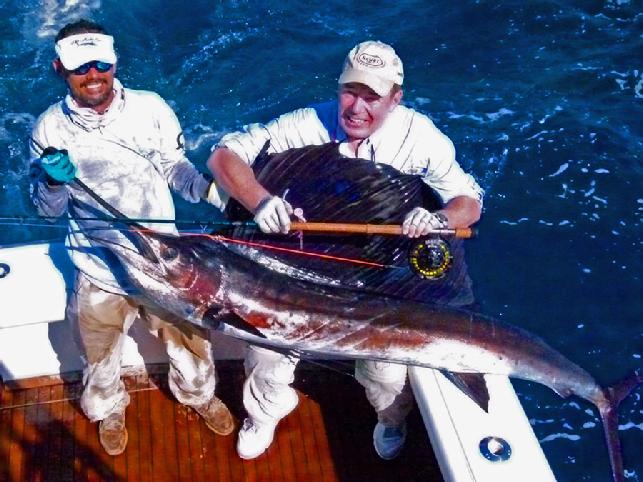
212, 284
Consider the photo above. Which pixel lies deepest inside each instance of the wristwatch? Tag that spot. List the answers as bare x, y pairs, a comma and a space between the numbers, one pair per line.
444, 221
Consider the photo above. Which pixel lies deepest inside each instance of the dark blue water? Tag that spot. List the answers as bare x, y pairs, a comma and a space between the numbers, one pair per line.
543, 100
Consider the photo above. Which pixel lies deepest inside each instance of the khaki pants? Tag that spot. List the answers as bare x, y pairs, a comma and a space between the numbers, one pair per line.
101, 319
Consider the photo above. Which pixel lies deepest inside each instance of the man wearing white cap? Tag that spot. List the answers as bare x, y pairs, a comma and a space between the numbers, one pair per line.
127, 146
368, 121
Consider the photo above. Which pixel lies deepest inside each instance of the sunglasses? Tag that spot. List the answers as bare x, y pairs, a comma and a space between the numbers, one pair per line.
101, 67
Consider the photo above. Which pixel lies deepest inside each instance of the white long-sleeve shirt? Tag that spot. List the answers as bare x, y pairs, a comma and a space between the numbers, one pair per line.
407, 141
130, 156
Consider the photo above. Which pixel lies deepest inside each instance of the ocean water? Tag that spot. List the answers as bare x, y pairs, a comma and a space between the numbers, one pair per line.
543, 100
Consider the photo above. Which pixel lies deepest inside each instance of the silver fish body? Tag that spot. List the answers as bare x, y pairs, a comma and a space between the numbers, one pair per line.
199, 279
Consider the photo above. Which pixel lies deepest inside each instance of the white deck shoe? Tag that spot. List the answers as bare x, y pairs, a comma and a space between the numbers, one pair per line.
388, 441
255, 437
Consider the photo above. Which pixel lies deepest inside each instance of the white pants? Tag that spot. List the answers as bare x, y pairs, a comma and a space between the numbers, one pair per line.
267, 392
387, 389
100, 321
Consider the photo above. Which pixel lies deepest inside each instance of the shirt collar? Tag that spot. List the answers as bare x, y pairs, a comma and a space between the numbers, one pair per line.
87, 118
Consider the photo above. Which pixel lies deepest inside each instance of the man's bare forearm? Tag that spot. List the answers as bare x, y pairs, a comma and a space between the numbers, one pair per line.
462, 211
236, 178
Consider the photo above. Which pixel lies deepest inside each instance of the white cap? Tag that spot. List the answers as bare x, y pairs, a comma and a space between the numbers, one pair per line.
375, 64
79, 49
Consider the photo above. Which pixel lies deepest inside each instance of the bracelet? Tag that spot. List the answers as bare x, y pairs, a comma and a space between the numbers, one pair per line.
262, 203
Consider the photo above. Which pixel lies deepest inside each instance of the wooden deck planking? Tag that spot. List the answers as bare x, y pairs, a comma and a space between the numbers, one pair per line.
54, 471
132, 421
158, 440
43, 418
67, 453
5, 431
45, 436
148, 434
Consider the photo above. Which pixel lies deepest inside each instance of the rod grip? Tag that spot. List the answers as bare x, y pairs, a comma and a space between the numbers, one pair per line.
392, 229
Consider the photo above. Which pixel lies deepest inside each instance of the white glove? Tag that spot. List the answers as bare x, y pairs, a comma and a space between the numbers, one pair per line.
273, 215
418, 222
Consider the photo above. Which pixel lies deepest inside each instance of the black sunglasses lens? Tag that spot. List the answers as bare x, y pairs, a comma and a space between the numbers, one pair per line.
82, 70
101, 67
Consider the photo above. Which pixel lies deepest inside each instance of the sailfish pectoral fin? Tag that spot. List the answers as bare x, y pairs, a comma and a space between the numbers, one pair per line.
472, 385
215, 318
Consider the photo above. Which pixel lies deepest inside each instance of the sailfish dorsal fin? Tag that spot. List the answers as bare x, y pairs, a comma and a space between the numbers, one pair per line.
330, 187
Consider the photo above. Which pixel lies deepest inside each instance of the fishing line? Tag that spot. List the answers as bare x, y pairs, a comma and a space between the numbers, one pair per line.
224, 239
302, 356
327, 365
34, 225
20, 221
292, 251
9, 219
68, 399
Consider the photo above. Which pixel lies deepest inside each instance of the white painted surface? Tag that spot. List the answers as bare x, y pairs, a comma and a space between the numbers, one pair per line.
36, 340
456, 425
34, 290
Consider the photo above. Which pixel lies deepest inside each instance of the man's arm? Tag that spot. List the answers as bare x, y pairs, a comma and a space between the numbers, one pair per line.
231, 160
236, 178
461, 194
459, 191
179, 172
458, 212
462, 211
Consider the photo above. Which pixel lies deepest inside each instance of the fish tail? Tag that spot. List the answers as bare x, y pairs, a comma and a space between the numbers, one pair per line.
614, 395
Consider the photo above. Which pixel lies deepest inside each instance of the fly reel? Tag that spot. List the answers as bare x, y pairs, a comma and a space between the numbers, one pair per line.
430, 258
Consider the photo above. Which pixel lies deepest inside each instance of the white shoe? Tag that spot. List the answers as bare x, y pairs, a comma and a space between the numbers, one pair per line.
388, 441
255, 437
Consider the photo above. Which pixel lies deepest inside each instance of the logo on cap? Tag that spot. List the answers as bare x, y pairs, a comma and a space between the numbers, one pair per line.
370, 60
84, 41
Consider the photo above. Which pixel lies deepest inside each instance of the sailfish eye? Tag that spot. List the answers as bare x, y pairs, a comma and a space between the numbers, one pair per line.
169, 253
